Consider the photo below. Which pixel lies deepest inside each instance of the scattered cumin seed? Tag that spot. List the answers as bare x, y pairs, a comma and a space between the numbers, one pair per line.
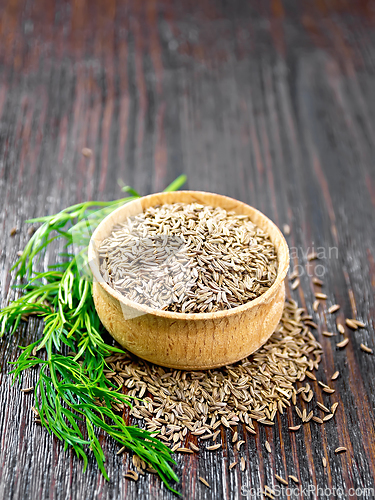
328, 334
317, 419
340, 328
232, 465
295, 427
360, 324
176, 437
235, 437
250, 430
309, 417
365, 348
295, 284
322, 407
281, 480
294, 478
193, 446
19, 253
87, 152
288, 354
316, 305
131, 474
269, 495
225, 422
333, 308
294, 274
214, 447
324, 460
268, 492
28, 389
343, 343
351, 324
13, 231
311, 323
202, 480
214, 437
328, 390
268, 447
184, 450
304, 415
335, 375
298, 411
310, 375
333, 407
312, 256
35, 411
341, 449
286, 229
243, 464
239, 444
317, 281
266, 422
321, 296
328, 417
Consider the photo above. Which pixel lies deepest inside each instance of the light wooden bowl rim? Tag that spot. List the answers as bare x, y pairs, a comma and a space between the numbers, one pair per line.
281, 248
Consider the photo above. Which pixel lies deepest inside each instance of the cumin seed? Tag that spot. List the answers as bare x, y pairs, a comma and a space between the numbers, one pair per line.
351, 324
294, 478
214, 447
333, 308
202, 480
294, 428
281, 480
367, 349
341, 449
343, 343
341, 328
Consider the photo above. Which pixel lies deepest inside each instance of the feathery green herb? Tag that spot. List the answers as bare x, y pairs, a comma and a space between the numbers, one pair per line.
73, 396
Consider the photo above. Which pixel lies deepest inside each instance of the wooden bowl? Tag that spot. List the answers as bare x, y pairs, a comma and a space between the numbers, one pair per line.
189, 341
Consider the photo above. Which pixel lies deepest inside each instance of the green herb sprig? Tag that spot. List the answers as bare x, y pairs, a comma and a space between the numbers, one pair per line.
73, 397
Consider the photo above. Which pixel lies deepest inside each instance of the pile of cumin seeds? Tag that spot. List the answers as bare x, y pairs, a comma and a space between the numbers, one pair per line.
255, 388
188, 258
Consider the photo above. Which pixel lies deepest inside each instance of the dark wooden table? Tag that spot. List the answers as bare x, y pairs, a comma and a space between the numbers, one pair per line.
270, 102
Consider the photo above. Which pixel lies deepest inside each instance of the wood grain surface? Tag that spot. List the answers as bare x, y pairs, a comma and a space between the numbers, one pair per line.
270, 102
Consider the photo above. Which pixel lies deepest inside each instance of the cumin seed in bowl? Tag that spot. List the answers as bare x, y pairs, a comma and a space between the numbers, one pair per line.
188, 258
189, 280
